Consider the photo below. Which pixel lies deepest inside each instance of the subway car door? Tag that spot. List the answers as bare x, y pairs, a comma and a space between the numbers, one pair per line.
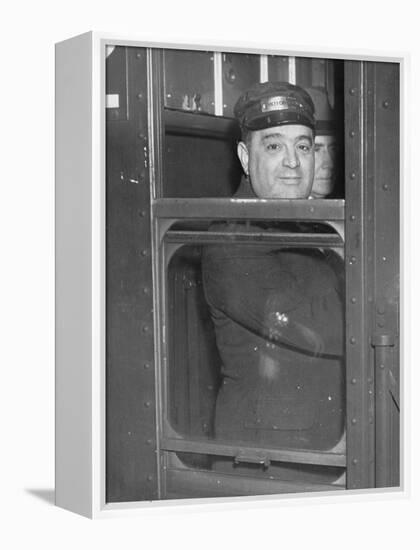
171, 173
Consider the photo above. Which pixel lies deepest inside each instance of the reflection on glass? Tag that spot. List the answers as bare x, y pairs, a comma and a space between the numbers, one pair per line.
240, 71
256, 343
189, 82
194, 363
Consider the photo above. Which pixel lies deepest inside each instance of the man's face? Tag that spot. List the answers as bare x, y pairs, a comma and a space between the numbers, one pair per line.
279, 161
325, 160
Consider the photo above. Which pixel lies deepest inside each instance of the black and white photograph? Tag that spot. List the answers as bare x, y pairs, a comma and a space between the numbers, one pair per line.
209, 275
252, 274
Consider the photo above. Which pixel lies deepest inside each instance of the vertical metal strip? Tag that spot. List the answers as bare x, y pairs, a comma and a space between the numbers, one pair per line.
385, 323
359, 367
263, 68
330, 81
156, 126
292, 70
218, 84
130, 381
156, 130
383, 442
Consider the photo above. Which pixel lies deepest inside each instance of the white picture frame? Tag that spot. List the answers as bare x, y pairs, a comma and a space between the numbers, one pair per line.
80, 266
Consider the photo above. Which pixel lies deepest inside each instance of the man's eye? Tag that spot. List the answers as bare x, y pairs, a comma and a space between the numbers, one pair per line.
305, 148
317, 148
273, 146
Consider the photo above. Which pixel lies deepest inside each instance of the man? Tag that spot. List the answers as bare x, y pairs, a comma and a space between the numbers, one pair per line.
325, 149
325, 144
277, 312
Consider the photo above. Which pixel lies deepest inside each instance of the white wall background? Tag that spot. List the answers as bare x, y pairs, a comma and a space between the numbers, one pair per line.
29, 31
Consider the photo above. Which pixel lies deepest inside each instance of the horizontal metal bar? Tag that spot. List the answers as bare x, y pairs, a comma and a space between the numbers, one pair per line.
323, 458
200, 124
264, 209
187, 483
284, 239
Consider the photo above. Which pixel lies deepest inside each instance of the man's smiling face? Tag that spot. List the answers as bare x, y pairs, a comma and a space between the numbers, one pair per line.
279, 161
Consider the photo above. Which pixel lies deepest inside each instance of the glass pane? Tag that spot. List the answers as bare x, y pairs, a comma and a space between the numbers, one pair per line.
240, 71
304, 71
278, 68
255, 336
200, 167
189, 80
194, 362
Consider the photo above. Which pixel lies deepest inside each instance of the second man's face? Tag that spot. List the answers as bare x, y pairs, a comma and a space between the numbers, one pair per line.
279, 161
325, 160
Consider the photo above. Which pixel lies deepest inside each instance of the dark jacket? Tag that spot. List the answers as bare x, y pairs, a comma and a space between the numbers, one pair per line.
279, 322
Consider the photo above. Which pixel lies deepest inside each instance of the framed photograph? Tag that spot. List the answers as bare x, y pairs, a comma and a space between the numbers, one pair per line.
228, 259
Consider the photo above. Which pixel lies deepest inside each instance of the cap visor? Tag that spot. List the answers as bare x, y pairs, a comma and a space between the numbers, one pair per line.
279, 118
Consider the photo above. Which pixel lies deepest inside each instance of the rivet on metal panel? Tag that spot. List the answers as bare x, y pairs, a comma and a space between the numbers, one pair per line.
352, 91
138, 55
384, 258
370, 380
146, 290
381, 324
385, 104
353, 300
352, 340
385, 187
353, 421
352, 218
355, 461
380, 309
146, 365
149, 478
352, 133
142, 213
353, 380
149, 441
144, 252
169, 96
145, 328
140, 96
352, 260
147, 404
141, 136
353, 175
312, 209
382, 366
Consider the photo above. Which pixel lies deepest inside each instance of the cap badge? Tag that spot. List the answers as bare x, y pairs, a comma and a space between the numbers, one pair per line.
277, 103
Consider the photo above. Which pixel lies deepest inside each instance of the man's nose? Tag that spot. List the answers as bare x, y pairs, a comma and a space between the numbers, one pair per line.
327, 160
291, 158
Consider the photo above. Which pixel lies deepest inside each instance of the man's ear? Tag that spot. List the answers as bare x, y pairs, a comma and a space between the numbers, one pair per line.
243, 155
